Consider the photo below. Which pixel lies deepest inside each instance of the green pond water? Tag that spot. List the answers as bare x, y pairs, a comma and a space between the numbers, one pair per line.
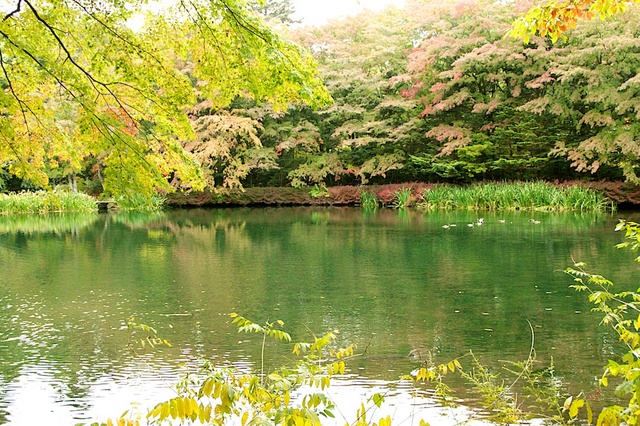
391, 282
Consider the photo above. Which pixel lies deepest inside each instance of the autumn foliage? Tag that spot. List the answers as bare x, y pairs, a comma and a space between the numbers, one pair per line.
434, 92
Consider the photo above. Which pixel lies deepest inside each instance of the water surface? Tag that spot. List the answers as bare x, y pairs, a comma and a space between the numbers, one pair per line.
391, 282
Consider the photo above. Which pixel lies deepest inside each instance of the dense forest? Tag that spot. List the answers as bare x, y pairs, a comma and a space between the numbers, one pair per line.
431, 92
435, 92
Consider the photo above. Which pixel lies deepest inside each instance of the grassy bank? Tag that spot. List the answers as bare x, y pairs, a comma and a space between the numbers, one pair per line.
46, 202
539, 196
486, 196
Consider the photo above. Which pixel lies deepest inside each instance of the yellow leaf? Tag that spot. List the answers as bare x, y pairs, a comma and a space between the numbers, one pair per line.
154, 413
245, 417
385, 422
179, 407
166, 411
422, 374
206, 413
173, 409
575, 406
567, 403
207, 386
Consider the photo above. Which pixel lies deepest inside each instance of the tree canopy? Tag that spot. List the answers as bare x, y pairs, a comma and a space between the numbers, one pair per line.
80, 86
208, 94
436, 92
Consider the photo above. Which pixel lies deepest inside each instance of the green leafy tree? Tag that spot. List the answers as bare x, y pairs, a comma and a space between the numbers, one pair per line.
126, 92
471, 84
228, 148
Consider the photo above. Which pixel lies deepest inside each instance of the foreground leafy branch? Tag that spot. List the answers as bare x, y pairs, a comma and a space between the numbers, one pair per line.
297, 396
621, 312
553, 19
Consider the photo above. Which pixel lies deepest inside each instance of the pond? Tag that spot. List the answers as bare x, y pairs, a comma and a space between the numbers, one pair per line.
392, 282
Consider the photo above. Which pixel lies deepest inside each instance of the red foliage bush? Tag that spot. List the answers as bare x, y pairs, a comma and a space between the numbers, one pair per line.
338, 195
620, 192
344, 195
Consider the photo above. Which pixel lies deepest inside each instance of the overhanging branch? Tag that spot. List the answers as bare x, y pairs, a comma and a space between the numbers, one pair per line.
13, 12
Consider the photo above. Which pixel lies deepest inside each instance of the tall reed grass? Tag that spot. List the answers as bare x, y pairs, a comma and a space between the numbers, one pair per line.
402, 198
369, 200
515, 196
46, 202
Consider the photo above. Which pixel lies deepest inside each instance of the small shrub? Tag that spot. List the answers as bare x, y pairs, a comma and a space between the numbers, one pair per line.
46, 202
225, 396
319, 191
140, 202
620, 311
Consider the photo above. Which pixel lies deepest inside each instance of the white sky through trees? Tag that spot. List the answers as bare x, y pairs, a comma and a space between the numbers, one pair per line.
311, 12
317, 12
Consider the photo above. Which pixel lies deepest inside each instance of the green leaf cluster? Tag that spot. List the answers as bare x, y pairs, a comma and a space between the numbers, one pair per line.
85, 93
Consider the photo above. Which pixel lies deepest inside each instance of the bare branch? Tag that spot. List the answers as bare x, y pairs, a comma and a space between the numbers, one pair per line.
16, 10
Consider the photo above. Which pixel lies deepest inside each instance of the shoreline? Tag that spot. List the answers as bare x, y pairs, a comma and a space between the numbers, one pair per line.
624, 194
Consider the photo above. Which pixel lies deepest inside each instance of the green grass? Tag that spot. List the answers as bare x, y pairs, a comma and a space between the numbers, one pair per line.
46, 202
402, 198
368, 200
538, 196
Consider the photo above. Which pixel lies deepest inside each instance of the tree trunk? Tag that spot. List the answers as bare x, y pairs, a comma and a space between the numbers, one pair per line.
73, 182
